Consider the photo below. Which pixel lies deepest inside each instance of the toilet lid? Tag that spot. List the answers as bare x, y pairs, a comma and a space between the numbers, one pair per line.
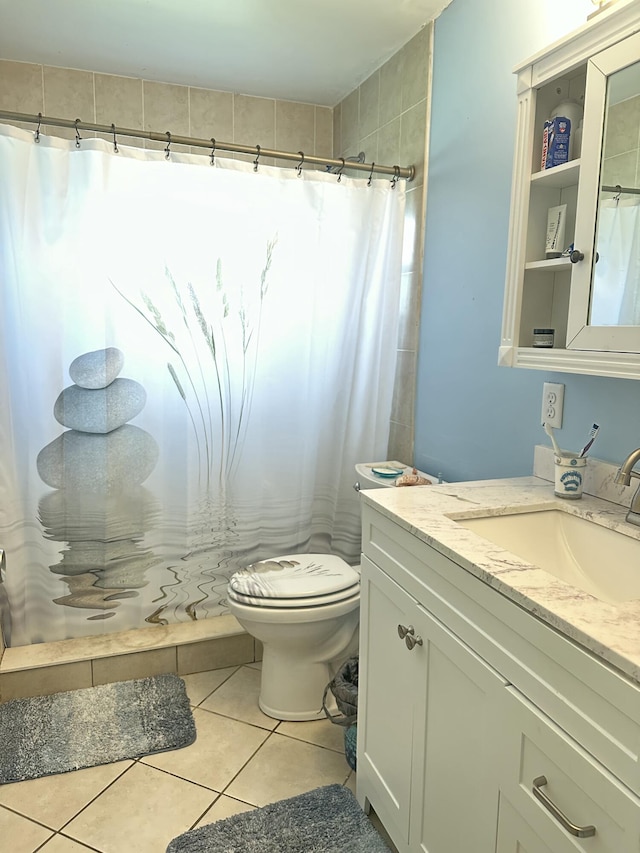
295, 577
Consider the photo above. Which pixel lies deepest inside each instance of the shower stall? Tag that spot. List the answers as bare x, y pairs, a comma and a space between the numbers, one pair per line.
196, 353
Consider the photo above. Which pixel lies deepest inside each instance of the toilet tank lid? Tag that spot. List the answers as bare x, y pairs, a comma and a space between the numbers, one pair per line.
366, 470
295, 576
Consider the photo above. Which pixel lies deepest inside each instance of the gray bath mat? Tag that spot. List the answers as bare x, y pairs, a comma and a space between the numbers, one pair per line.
94, 725
325, 820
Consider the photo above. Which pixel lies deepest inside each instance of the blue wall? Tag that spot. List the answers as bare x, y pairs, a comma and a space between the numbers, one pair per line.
475, 420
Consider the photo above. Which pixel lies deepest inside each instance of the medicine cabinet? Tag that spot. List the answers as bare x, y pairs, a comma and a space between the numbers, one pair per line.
590, 295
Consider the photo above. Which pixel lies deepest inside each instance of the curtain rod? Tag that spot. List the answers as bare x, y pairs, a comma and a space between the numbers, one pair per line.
621, 190
300, 157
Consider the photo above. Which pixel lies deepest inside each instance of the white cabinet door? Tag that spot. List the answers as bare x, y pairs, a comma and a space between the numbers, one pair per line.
391, 696
459, 740
427, 726
615, 336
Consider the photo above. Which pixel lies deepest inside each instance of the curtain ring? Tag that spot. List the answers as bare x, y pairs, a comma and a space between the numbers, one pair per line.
373, 165
78, 137
396, 175
299, 166
616, 197
255, 162
340, 170
213, 151
167, 150
115, 141
36, 137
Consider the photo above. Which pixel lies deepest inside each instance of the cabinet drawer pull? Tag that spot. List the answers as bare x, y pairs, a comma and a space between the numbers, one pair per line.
578, 831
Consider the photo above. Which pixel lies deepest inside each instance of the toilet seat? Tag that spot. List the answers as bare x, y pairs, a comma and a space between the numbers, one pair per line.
295, 580
307, 601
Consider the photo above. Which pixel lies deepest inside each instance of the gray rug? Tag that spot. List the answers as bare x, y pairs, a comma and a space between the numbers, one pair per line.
325, 820
95, 725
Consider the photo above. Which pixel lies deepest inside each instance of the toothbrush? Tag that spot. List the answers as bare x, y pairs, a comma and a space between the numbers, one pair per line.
593, 434
549, 431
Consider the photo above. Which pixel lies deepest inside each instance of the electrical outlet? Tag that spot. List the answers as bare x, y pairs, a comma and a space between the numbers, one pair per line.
552, 404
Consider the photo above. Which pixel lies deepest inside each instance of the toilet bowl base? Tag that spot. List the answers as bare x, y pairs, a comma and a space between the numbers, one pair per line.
292, 691
291, 716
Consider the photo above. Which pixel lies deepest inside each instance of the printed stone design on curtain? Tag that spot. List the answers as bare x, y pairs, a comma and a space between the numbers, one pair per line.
97, 467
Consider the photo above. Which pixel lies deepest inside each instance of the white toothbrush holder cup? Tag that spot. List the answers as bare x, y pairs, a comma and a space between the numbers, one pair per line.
569, 475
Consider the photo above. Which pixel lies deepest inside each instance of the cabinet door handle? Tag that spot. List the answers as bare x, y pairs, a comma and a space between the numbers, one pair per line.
412, 641
408, 634
576, 256
579, 831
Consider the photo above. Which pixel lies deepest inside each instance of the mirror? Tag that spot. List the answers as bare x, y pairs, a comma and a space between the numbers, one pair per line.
615, 287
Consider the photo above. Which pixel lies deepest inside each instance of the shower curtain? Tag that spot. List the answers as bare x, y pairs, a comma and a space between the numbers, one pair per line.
193, 358
615, 296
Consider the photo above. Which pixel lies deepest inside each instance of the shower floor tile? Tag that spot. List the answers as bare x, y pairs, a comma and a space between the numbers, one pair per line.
241, 759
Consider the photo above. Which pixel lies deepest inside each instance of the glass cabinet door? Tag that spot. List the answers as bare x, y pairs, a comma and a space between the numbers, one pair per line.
604, 304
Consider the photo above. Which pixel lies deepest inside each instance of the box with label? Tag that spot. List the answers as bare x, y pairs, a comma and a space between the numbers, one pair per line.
555, 141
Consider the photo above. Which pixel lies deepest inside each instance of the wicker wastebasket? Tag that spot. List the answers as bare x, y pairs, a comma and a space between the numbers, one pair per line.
344, 688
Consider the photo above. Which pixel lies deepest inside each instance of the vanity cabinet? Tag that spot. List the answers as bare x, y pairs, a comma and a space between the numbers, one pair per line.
576, 294
467, 703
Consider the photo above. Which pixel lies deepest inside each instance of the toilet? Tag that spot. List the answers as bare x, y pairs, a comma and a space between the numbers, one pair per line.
305, 610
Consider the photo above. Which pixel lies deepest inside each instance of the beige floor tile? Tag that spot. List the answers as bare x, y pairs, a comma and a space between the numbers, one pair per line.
284, 767
61, 844
238, 698
201, 684
142, 811
320, 732
25, 835
54, 800
224, 807
221, 748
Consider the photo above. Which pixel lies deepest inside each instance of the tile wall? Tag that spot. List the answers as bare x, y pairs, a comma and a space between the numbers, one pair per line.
387, 118
145, 105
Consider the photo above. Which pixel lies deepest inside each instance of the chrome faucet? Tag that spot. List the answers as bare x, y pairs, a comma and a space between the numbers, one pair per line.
623, 477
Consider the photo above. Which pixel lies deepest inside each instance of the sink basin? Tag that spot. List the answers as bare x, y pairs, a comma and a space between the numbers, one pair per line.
603, 562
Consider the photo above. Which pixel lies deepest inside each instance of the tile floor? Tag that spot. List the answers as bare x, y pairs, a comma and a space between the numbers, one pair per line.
241, 759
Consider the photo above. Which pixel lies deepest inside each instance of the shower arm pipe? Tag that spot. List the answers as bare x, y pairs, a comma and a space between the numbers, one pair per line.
258, 151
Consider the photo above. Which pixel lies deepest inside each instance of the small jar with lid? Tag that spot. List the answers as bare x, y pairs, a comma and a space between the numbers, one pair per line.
543, 338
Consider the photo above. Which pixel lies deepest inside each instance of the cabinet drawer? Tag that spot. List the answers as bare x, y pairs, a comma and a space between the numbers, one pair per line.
541, 762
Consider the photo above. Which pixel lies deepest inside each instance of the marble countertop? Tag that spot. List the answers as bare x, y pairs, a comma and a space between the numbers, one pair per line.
609, 631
